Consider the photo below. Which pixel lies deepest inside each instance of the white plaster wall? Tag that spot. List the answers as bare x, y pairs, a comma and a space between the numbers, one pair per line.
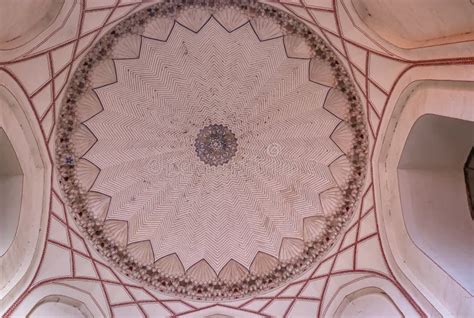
56, 310
27, 24
372, 305
11, 184
52, 299
368, 296
10, 199
438, 221
433, 194
18, 264
23, 20
445, 98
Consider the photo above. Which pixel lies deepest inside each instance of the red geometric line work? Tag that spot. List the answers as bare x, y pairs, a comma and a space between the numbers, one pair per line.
76, 248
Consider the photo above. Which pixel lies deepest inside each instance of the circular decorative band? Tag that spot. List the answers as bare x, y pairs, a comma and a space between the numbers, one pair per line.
214, 145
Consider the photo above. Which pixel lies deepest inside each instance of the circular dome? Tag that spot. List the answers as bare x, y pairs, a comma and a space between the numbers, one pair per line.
211, 149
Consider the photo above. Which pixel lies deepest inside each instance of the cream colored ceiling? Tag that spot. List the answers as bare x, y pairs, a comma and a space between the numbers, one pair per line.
148, 163
364, 257
243, 213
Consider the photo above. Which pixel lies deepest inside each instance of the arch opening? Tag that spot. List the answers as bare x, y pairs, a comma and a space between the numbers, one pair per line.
11, 184
22, 21
367, 302
23, 226
61, 307
433, 193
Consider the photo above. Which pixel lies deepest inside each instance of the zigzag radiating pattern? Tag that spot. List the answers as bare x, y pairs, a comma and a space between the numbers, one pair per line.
303, 297
149, 167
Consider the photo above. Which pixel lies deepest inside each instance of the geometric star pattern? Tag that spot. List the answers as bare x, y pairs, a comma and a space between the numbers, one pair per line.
87, 272
162, 94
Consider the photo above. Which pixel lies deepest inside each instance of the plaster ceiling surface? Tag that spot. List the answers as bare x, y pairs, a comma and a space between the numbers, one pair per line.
31, 19
420, 23
215, 145
70, 265
146, 150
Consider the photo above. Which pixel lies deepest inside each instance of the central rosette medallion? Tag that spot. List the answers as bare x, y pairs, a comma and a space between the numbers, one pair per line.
211, 153
215, 145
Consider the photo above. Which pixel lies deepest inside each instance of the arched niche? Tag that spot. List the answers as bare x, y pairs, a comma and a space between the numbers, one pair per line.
451, 99
422, 23
60, 307
370, 302
433, 194
21, 258
11, 186
24, 20
27, 24
368, 296
60, 297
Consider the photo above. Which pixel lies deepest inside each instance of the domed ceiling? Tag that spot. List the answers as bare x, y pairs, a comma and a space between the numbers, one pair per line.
211, 150
222, 159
